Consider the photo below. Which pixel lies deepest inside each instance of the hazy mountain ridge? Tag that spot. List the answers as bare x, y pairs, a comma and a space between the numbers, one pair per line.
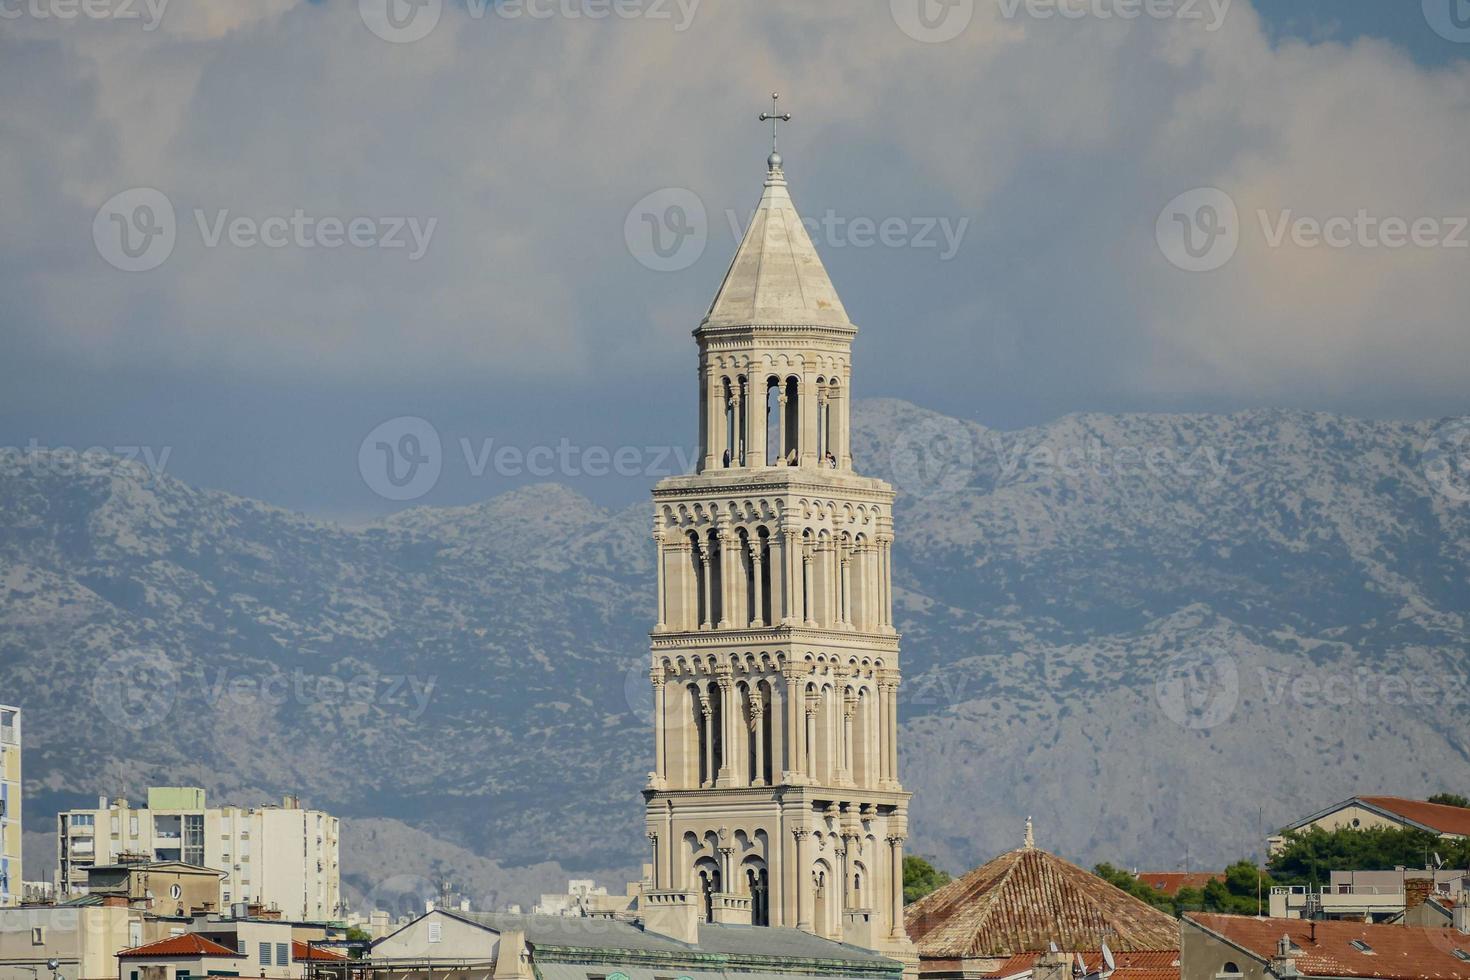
1045, 608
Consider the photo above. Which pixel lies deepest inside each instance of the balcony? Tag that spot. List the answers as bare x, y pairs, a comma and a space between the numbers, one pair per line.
1357, 903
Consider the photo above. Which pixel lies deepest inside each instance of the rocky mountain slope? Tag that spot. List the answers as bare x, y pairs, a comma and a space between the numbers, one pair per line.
1153, 633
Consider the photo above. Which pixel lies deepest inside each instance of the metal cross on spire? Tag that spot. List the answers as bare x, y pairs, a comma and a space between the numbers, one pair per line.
774, 117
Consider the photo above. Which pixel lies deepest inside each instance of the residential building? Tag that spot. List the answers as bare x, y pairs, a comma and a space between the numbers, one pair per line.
775, 797
12, 887
1366, 896
1001, 918
83, 939
449, 945
169, 888
283, 858
1236, 947
219, 946
1364, 812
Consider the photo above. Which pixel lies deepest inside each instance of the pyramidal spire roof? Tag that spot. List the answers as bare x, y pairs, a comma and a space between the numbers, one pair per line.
777, 277
1026, 899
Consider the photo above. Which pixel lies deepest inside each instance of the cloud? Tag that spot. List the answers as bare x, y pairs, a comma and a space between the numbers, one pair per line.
526, 139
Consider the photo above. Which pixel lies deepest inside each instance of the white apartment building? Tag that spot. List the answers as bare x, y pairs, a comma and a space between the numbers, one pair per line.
12, 884
280, 857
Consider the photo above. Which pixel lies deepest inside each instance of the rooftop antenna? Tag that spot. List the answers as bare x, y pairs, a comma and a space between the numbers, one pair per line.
1107, 957
774, 160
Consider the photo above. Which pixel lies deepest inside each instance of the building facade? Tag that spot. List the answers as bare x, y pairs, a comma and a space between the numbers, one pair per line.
12, 884
775, 798
283, 858
1382, 812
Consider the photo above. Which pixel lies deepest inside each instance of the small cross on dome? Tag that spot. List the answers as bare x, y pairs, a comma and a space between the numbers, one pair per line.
773, 162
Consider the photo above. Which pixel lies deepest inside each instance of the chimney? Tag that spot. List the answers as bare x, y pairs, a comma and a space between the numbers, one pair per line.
1283, 964
673, 913
857, 928
114, 901
510, 960
1416, 892
1052, 966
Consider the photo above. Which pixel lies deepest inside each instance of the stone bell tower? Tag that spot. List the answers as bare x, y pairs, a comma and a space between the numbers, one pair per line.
775, 798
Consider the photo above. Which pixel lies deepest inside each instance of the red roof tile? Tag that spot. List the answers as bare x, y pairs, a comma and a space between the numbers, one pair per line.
1170, 882
189, 944
1443, 818
303, 951
1026, 899
1397, 952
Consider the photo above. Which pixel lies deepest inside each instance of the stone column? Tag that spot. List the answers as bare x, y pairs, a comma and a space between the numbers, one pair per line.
706, 575
881, 733
707, 418
846, 578
795, 733
660, 728
727, 551
737, 426
893, 726
808, 599
789, 580
885, 606
807, 416
803, 881
755, 411
757, 727
843, 399
895, 916
659, 559
727, 872
707, 720
813, 704
849, 705
669, 867
726, 776
757, 596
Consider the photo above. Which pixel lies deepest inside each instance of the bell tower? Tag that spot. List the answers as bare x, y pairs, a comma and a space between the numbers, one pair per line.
775, 797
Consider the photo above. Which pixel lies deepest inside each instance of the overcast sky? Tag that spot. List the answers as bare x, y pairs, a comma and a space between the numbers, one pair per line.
248, 233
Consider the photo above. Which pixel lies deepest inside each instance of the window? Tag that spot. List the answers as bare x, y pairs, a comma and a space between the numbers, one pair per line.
133, 826
283, 954
1230, 969
38, 936
436, 932
1361, 946
83, 820
265, 954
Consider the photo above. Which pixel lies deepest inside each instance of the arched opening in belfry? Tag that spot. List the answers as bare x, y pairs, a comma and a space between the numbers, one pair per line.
699, 727
757, 887
698, 569
714, 578
728, 415
792, 441
821, 877
831, 422
707, 877
775, 419
859, 875
741, 417
822, 444
744, 613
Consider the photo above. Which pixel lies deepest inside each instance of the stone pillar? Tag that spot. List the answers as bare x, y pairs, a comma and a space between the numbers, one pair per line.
707, 720
885, 605
727, 551
892, 732
726, 775
757, 619
660, 728
658, 562
776, 561
807, 416
846, 579
881, 733
849, 705
802, 878
895, 916
758, 730
795, 733
737, 425
789, 613
706, 419
755, 410
808, 598
706, 574
810, 753
843, 407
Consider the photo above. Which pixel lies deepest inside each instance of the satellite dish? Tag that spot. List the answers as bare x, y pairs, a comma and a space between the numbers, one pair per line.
1438, 861
1107, 955
1081, 965
1053, 948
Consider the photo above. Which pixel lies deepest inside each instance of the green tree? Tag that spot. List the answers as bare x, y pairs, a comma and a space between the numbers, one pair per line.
1125, 881
1451, 799
1308, 857
920, 878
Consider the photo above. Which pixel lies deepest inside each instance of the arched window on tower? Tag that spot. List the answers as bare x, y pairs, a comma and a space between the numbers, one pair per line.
792, 441
775, 421
728, 416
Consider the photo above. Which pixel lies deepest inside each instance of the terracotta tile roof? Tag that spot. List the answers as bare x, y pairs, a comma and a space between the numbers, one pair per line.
1170, 882
1443, 818
189, 944
1026, 899
302, 951
1398, 952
